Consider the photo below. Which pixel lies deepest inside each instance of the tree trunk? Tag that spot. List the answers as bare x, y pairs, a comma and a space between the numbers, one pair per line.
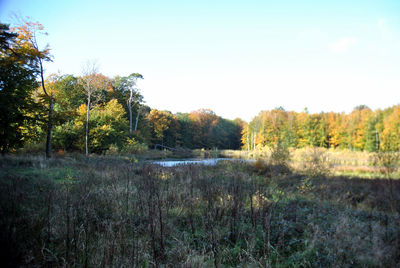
248, 139
130, 114
49, 127
51, 108
137, 119
87, 126
254, 142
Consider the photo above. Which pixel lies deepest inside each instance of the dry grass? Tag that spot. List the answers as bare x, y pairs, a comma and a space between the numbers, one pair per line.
110, 211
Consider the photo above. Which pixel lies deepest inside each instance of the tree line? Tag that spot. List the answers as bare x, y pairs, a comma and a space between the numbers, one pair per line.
91, 113
361, 129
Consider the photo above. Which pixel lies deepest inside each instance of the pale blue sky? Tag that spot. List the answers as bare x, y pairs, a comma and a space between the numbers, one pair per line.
234, 57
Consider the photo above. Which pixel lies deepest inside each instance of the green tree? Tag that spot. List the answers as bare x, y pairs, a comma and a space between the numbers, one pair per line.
186, 130
125, 86
109, 126
69, 95
27, 42
372, 133
17, 81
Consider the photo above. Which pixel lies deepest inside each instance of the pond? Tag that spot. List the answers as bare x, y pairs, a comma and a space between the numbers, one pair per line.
208, 162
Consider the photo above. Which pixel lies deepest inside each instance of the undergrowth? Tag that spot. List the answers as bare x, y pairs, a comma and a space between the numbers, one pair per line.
106, 212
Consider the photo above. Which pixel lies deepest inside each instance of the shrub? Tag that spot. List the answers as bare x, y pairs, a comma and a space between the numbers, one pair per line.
387, 161
33, 148
280, 158
112, 150
262, 166
280, 155
133, 146
315, 162
277, 163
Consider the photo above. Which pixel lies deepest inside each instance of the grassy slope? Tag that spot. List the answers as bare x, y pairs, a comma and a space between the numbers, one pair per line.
113, 212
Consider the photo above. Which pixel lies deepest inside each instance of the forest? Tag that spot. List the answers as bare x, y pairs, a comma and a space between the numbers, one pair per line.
93, 113
361, 130
79, 186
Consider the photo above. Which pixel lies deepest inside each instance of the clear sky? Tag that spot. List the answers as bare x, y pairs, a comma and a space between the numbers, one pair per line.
234, 57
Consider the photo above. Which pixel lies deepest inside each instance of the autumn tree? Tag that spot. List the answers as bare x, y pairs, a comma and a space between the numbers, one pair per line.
391, 132
27, 42
108, 126
334, 136
93, 84
204, 121
17, 81
361, 116
160, 121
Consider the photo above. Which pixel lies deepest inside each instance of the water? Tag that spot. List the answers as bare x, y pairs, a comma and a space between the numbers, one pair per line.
207, 162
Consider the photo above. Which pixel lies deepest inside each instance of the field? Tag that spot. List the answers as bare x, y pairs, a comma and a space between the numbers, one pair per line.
117, 211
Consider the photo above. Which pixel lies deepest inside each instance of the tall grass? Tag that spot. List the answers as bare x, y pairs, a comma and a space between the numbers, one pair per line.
106, 212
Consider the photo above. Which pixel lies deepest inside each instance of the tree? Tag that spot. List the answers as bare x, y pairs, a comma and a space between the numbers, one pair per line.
161, 121
204, 123
372, 135
68, 95
391, 132
27, 41
239, 126
108, 126
7, 38
186, 130
17, 81
92, 83
126, 86
362, 129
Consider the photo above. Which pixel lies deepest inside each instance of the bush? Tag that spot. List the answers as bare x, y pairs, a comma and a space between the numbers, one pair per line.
387, 161
133, 146
315, 162
276, 164
33, 148
112, 150
280, 155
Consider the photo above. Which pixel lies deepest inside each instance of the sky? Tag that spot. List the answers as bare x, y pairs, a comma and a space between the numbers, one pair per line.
236, 58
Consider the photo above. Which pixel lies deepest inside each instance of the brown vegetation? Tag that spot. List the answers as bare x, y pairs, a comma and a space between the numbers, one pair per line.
102, 212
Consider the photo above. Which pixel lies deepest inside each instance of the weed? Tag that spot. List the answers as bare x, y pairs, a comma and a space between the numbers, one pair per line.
115, 211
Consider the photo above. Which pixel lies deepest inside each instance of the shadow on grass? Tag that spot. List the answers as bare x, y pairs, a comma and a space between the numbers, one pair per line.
117, 212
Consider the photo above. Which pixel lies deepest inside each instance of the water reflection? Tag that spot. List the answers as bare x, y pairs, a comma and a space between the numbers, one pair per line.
208, 162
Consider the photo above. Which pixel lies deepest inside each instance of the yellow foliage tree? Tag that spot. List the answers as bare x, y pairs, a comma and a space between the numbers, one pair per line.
391, 134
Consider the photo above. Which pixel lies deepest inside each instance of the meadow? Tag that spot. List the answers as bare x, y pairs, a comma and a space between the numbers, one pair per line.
118, 211
79, 185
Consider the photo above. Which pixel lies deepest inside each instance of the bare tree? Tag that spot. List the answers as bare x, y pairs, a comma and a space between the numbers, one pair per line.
91, 81
132, 79
137, 118
127, 85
